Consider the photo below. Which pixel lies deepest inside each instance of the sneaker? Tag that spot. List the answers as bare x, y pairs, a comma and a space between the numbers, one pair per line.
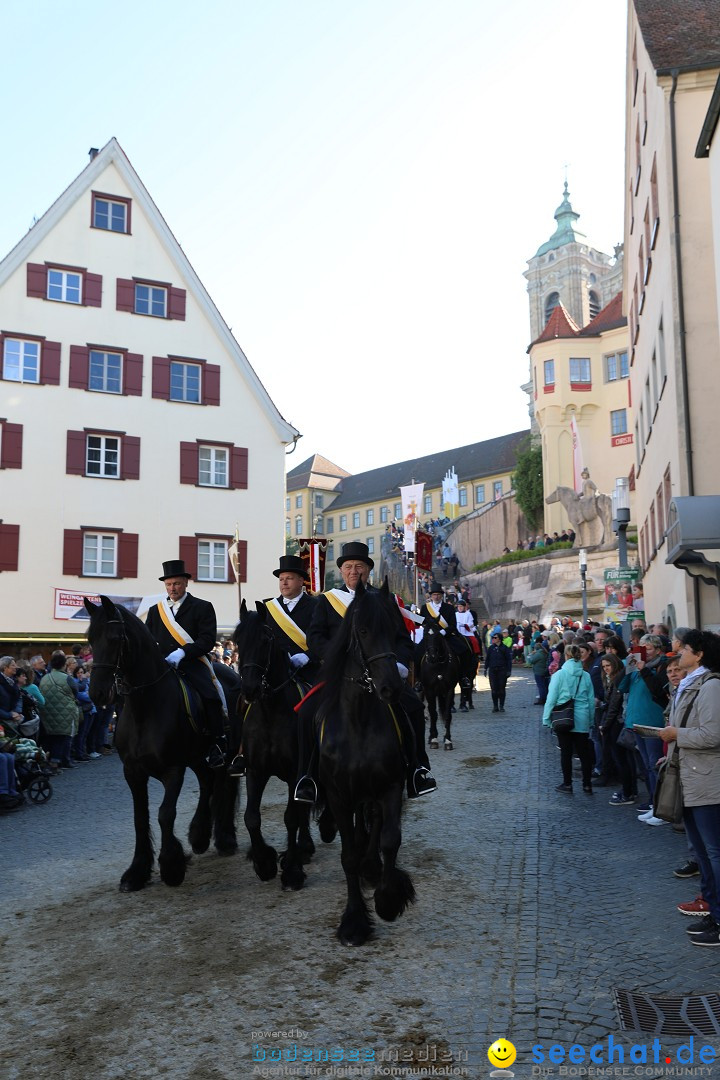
644, 807
644, 815
702, 926
652, 820
94, 754
688, 869
587, 788
566, 789
711, 937
618, 799
698, 906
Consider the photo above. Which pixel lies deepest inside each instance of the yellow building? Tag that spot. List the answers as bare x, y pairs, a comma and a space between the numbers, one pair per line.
325, 499
670, 290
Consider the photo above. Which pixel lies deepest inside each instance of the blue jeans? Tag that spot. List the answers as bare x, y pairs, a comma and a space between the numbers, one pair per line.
702, 827
650, 750
542, 682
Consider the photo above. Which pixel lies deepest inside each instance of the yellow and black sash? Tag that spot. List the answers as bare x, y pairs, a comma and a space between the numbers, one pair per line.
282, 619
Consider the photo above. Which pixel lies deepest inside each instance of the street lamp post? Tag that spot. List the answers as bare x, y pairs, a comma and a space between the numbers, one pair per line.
583, 580
621, 520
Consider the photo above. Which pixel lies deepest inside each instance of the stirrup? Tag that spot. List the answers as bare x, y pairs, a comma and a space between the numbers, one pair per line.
422, 783
237, 766
306, 790
216, 756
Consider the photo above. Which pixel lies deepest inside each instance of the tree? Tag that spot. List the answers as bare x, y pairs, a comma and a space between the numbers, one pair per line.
527, 480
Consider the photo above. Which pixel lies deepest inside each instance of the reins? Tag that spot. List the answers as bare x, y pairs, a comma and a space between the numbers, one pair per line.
122, 686
266, 689
365, 681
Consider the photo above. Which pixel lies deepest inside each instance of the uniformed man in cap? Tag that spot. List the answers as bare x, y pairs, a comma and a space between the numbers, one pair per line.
355, 565
185, 628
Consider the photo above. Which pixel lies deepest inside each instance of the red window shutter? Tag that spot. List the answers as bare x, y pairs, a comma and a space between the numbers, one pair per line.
242, 562
50, 363
125, 295
130, 461
127, 555
239, 467
176, 304
11, 448
92, 290
189, 473
211, 384
75, 456
188, 553
37, 280
72, 552
9, 546
161, 377
132, 378
79, 367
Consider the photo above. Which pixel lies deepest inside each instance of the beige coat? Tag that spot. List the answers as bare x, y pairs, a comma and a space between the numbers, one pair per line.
699, 741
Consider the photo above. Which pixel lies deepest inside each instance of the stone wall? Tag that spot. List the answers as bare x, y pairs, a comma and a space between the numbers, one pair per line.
484, 534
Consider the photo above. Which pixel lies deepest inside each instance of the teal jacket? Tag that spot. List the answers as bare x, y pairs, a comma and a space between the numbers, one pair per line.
571, 681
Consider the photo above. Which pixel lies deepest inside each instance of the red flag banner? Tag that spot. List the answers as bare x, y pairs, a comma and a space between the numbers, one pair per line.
423, 550
312, 552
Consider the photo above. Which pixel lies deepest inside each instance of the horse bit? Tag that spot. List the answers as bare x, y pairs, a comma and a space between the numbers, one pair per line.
365, 681
122, 686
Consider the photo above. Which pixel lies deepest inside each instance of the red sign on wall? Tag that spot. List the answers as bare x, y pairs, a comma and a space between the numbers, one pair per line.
621, 440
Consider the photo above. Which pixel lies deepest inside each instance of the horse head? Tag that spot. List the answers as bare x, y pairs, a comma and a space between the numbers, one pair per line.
371, 617
259, 662
106, 635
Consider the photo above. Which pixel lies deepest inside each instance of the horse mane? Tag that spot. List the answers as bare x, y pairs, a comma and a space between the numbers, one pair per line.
138, 636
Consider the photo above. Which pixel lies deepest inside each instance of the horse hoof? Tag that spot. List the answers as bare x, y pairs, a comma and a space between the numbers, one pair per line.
128, 885
447, 745
292, 878
433, 743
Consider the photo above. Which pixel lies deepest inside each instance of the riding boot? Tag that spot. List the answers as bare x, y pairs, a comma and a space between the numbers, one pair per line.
216, 721
306, 786
420, 780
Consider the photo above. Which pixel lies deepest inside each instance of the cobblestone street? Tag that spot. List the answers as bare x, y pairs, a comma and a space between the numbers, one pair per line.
532, 908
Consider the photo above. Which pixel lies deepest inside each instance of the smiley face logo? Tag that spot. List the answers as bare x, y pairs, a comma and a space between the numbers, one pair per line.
502, 1053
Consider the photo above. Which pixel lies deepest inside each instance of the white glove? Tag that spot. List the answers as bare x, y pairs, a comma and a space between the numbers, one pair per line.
402, 669
174, 658
443, 633
299, 659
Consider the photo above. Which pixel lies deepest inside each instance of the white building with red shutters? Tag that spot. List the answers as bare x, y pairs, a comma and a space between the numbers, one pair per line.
132, 427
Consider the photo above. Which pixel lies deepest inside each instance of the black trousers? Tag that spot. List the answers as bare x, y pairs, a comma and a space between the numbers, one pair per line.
575, 742
498, 681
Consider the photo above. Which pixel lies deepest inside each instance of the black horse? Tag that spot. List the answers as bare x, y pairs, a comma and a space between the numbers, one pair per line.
270, 744
439, 674
155, 737
362, 760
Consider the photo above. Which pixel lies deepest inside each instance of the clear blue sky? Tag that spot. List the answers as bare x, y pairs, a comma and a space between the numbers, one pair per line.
358, 184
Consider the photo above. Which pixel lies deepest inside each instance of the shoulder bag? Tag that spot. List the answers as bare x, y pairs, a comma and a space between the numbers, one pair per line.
668, 800
562, 715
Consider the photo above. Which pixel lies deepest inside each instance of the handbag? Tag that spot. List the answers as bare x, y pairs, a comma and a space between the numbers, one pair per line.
668, 799
562, 716
627, 739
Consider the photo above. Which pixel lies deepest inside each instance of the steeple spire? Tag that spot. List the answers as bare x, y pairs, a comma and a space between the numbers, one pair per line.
565, 233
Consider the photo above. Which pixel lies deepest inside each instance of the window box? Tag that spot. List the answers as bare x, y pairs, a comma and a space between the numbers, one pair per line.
201, 464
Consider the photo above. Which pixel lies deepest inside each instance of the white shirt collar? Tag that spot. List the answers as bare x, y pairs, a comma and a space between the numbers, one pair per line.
290, 604
175, 604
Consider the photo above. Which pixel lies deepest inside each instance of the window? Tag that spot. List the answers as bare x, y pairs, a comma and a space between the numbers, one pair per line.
383, 514
111, 213
654, 377
534, 374
616, 367
397, 511
661, 355
497, 490
593, 303
65, 286
329, 526
298, 525
356, 520
103, 456
212, 466
654, 203
427, 504
150, 300
580, 373
550, 304
648, 408
298, 502
660, 515
105, 372
185, 382
369, 517
370, 541
549, 373
287, 504
479, 494
318, 527
618, 422
319, 501
21, 360
99, 554
287, 526
462, 496
212, 560
343, 523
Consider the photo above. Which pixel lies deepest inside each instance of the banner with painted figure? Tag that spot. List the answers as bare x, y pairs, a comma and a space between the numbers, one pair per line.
624, 597
411, 497
424, 554
450, 494
313, 551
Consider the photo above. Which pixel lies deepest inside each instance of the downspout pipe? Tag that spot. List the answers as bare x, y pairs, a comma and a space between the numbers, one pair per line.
681, 316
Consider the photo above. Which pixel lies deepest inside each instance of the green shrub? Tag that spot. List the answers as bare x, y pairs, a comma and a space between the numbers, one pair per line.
519, 556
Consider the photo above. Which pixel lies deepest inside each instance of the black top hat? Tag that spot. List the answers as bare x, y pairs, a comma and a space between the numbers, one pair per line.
434, 587
291, 564
355, 550
174, 568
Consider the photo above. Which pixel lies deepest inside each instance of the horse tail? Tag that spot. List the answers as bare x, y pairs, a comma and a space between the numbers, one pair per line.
224, 803
394, 895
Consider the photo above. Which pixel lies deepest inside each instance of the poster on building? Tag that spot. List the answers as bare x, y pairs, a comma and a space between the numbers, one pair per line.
71, 605
411, 496
623, 595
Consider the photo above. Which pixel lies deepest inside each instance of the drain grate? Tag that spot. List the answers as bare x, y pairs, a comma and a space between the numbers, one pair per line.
682, 1016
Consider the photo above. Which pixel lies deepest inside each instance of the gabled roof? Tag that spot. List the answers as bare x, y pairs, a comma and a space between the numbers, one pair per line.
470, 462
608, 318
682, 34
316, 472
560, 325
112, 153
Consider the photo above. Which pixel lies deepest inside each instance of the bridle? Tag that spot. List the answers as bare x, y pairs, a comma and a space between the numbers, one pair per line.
365, 680
266, 690
122, 687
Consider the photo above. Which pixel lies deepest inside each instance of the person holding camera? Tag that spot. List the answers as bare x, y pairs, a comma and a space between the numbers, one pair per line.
645, 683
572, 683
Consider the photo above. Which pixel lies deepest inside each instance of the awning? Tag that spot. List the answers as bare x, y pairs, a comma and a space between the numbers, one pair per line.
693, 536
